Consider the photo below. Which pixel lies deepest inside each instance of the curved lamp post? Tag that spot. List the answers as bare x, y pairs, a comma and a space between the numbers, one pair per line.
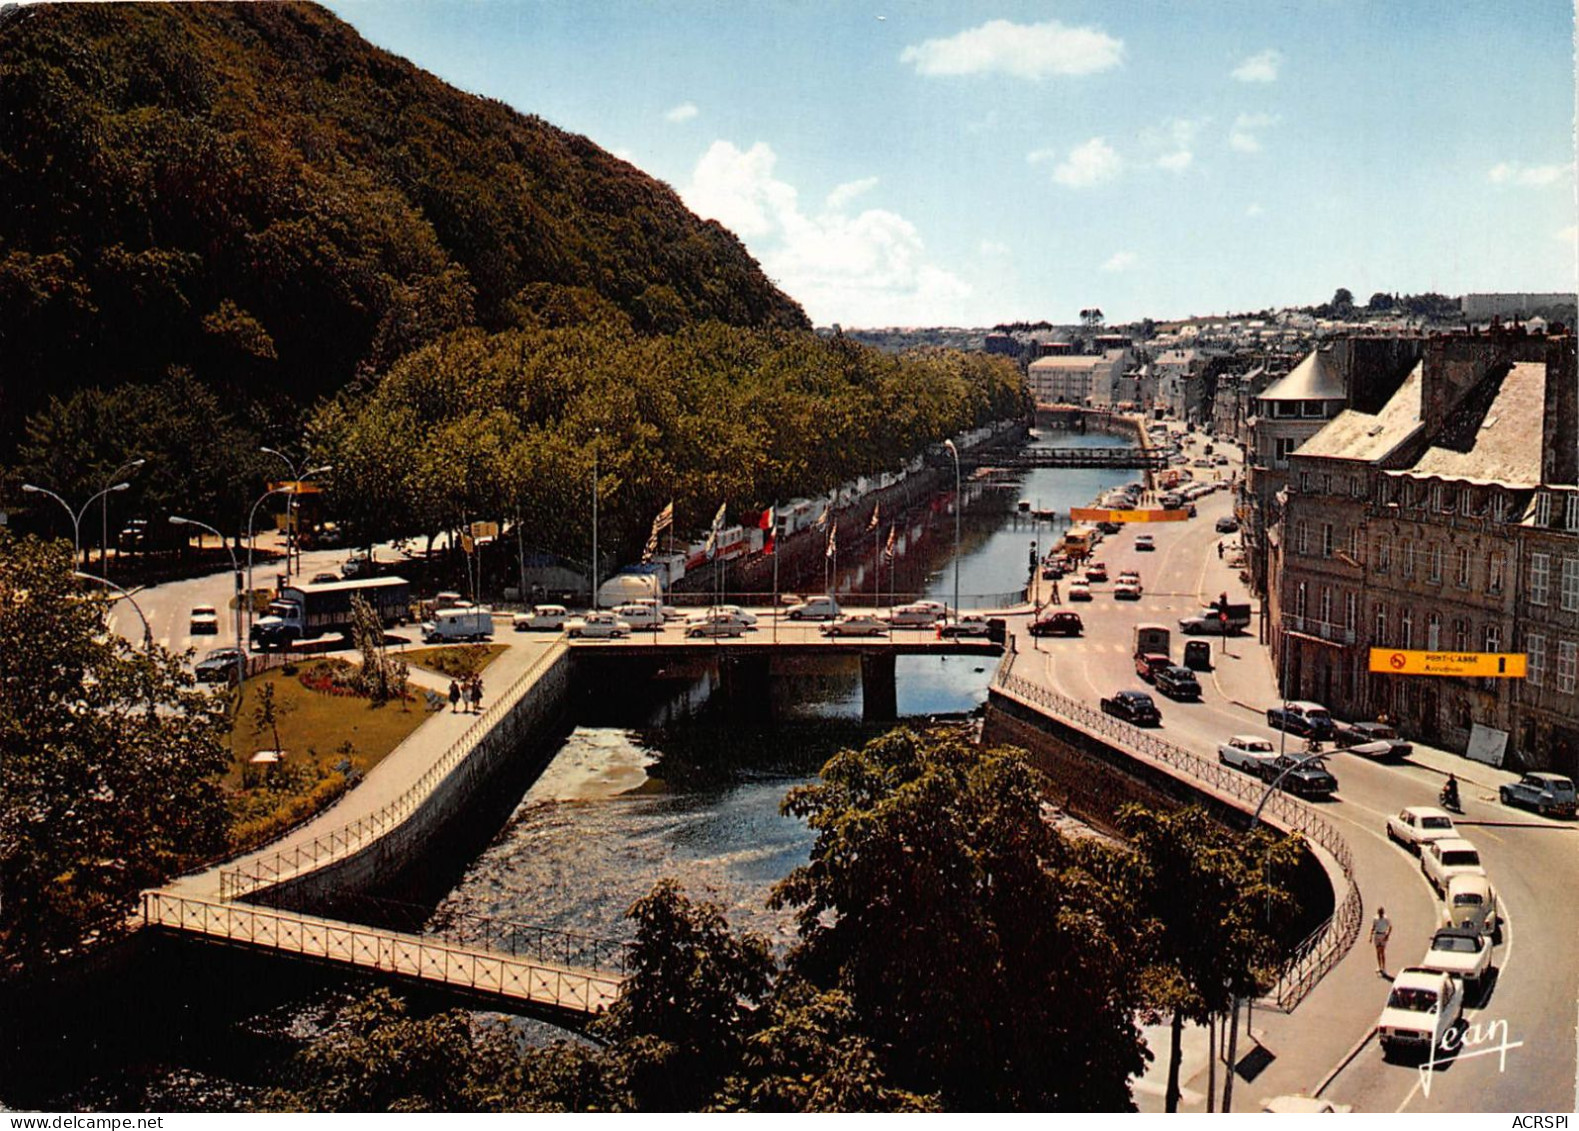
254, 514
76, 516
958, 502
104, 512
148, 636
235, 569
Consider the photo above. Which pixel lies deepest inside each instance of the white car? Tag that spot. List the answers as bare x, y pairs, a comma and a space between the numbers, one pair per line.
1246, 752
1462, 952
938, 607
814, 608
668, 612
205, 619
1443, 859
542, 618
716, 622
1078, 591
1422, 1008
856, 624
640, 616
598, 625
1145, 542
748, 619
1470, 902
918, 615
1417, 825
1127, 591
971, 624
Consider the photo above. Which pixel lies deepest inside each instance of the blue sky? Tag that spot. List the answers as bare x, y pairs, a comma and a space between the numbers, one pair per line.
894, 162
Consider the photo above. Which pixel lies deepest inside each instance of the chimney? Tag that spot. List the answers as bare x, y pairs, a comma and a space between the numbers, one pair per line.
1560, 422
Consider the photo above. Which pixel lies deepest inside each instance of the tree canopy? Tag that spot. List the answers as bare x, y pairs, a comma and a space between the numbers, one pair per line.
109, 760
255, 193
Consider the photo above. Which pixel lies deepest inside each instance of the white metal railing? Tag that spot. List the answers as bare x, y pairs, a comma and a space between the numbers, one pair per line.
338, 843
1322, 949
413, 956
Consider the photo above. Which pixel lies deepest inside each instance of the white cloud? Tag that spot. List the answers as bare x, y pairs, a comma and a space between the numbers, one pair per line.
1534, 176
859, 268
1120, 261
1041, 156
1261, 67
682, 113
1026, 51
1089, 164
1176, 162
1255, 209
1174, 142
843, 194
1246, 133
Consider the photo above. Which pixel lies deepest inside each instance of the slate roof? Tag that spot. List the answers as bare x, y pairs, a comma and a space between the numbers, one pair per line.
1368, 437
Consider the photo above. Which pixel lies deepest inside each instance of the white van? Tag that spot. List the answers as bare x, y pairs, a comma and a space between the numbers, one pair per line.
467, 622
815, 608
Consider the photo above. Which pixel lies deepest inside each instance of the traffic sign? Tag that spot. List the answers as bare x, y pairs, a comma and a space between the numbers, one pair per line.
1496, 665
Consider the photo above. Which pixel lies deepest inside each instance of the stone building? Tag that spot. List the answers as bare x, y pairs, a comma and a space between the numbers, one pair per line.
1447, 520
1080, 379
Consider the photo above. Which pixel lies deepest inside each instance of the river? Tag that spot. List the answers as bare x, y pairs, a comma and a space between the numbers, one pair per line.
636, 792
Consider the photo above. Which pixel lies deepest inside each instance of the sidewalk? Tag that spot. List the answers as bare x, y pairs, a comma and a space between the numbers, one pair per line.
392, 777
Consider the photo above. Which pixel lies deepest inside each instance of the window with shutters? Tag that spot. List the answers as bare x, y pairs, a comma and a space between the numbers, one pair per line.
1535, 656
1540, 578
1571, 512
1567, 665
1569, 589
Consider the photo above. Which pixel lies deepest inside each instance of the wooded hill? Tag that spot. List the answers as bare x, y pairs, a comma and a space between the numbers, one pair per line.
255, 193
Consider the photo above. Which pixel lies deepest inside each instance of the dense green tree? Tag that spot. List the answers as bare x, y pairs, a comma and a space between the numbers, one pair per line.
109, 760
682, 1018
1211, 900
975, 951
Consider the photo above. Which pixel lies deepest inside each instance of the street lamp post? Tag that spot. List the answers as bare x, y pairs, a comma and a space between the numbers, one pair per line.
235, 570
104, 513
252, 517
148, 635
958, 501
292, 535
76, 516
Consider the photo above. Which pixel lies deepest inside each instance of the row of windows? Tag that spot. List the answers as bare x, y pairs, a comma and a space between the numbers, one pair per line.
1430, 630
1551, 509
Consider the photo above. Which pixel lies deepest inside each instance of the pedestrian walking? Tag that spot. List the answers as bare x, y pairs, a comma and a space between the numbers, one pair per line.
1056, 601
455, 697
476, 694
1219, 550
1381, 928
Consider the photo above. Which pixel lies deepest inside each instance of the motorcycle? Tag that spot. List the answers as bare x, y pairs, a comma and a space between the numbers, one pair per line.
1448, 799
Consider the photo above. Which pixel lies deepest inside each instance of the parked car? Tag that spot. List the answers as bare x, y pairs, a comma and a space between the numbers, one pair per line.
1110, 527
715, 622
1246, 752
1096, 571
1371, 740
648, 617
913, 616
1548, 794
1127, 591
1145, 542
1130, 575
856, 624
542, 618
749, 619
219, 665
1462, 952
1148, 664
1470, 902
814, 608
1133, 707
1443, 859
1415, 826
324, 578
1305, 778
598, 624
668, 612
1059, 624
1422, 1007
1227, 525
1078, 591
1178, 682
204, 620
1301, 717
971, 624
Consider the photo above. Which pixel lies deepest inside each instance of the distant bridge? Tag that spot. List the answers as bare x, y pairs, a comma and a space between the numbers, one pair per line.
1069, 457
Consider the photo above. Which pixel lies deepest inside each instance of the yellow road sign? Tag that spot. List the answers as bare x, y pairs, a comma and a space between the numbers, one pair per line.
1399, 661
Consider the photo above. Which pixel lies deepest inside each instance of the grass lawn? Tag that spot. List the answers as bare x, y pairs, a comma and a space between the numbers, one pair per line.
330, 743
455, 661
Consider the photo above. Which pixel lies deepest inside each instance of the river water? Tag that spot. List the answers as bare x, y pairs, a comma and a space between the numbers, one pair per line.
637, 791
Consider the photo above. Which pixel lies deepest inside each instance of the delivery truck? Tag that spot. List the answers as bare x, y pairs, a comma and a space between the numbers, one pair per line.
305, 612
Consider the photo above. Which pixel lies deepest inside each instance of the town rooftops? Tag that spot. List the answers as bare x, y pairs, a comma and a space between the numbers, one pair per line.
1368, 437
1071, 361
1314, 379
1498, 444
